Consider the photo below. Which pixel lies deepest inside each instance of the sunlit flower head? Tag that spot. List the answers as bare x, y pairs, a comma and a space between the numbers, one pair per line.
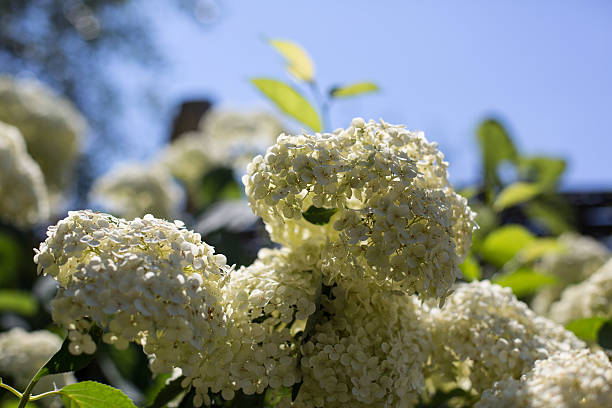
396, 219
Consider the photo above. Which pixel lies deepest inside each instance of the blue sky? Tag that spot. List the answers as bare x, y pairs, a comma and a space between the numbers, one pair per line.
544, 67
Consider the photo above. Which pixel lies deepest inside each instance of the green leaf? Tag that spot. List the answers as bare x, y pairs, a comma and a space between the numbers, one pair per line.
63, 361
502, 244
551, 212
275, 395
298, 61
170, 391
539, 247
515, 194
604, 335
355, 89
544, 171
18, 301
587, 328
470, 269
496, 147
91, 394
216, 185
318, 216
524, 281
289, 101
10, 259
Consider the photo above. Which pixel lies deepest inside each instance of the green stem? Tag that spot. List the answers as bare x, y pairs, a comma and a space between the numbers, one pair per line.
323, 104
11, 389
25, 397
44, 394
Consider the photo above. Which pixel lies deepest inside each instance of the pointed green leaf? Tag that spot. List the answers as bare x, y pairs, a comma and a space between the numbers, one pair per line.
470, 269
319, 216
298, 61
503, 243
91, 394
524, 281
496, 147
355, 89
18, 301
545, 171
289, 101
587, 328
63, 361
515, 194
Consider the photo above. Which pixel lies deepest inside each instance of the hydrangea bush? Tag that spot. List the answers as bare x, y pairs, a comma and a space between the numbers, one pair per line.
357, 306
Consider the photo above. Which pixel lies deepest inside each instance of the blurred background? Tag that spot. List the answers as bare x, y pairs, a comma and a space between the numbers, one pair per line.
135, 107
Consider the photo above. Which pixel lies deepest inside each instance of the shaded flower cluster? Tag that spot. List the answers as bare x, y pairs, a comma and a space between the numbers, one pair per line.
576, 378
498, 335
22, 353
52, 128
133, 190
592, 297
368, 349
579, 258
397, 220
23, 194
146, 280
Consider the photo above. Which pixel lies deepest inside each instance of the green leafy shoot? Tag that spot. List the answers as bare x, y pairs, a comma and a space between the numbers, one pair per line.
355, 89
91, 394
299, 63
318, 216
470, 269
587, 328
496, 147
289, 101
524, 281
504, 243
515, 194
18, 301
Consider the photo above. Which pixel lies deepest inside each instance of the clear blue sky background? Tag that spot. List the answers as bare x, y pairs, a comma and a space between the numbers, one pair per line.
544, 67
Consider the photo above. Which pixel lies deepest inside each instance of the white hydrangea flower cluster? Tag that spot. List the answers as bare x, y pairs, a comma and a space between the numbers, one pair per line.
51, 126
398, 221
576, 378
23, 353
224, 139
593, 297
147, 280
188, 159
267, 304
23, 194
580, 258
239, 136
133, 190
499, 335
367, 350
